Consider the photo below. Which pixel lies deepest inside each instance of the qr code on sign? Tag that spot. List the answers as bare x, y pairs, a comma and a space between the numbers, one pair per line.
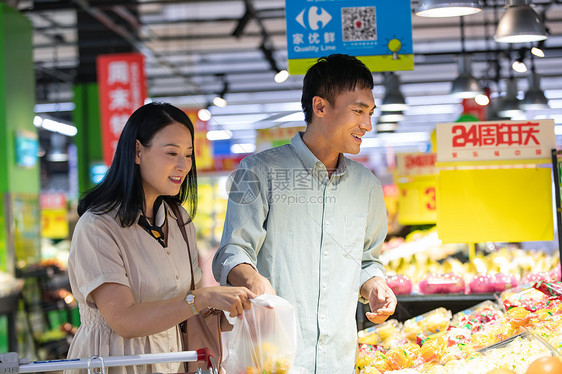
359, 24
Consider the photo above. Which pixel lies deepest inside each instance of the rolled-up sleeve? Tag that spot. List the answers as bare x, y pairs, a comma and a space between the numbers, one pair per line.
375, 233
94, 258
244, 232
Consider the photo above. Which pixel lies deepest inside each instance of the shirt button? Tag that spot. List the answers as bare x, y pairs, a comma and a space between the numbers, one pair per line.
327, 222
168, 252
322, 317
326, 253
172, 349
324, 285
177, 277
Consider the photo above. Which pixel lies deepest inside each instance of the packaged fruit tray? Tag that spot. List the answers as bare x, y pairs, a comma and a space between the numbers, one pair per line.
529, 297
513, 355
378, 334
432, 322
481, 313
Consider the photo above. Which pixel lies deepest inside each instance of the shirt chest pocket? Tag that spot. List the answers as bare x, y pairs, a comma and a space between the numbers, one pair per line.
354, 236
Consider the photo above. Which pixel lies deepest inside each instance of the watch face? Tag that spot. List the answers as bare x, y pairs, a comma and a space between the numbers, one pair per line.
190, 298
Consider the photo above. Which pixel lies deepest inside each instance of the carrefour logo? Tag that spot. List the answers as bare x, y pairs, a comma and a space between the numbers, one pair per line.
315, 17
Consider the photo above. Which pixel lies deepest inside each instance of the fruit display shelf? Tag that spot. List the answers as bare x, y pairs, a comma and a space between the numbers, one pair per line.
413, 305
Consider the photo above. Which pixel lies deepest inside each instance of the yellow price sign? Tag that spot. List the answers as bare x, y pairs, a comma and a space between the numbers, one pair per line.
503, 205
54, 223
417, 201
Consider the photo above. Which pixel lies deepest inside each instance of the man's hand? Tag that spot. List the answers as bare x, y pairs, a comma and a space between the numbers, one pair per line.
381, 299
247, 276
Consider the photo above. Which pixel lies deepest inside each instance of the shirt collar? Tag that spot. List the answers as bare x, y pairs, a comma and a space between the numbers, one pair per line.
309, 160
156, 229
160, 216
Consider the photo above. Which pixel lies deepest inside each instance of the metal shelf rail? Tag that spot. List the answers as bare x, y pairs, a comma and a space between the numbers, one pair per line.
11, 363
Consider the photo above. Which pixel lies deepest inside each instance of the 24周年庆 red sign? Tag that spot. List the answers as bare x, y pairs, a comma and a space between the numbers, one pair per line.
495, 140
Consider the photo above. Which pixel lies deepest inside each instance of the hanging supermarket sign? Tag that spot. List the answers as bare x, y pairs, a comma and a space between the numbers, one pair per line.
275, 137
378, 32
495, 140
412, 164
122, 89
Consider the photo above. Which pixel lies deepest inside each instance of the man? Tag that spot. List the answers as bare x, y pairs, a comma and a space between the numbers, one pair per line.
307, 223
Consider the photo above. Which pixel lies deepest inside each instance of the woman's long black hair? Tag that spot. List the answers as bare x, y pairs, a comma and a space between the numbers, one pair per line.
121, 187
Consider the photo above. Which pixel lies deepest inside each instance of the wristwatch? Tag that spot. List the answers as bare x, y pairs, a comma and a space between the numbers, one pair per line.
190, 298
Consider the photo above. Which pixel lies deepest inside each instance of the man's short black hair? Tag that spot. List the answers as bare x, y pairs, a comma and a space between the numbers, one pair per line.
330, 76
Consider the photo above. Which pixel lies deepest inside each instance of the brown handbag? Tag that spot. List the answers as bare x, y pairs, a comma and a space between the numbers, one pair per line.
204, 329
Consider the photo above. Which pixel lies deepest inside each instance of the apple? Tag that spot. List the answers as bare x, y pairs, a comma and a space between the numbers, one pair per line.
455, 284
482, 283
502, 282
534, 277
400, 284
429, 286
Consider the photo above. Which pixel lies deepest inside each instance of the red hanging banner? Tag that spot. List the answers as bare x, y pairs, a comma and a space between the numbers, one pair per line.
122, 90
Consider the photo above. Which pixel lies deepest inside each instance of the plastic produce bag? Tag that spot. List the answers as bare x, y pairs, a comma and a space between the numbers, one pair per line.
265, 340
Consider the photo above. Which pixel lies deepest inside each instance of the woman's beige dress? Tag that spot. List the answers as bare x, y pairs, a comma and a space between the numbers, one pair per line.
104, 252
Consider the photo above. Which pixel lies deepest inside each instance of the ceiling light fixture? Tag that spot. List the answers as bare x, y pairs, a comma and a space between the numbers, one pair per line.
243, 148
386, 127
281, 76
387, 117
508, 106
220, 100
249, 13
393, 100
204, 114
482, 99
267, 50
55, 126
465, 86
538, 50
219, 135
447, 8
519, 66
534, 97
520, 24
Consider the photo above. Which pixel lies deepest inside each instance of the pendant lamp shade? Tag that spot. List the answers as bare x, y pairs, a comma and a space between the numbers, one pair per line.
386, 127
391, 117
465, 86
447, 8
534, 97
509, 105
393, 99
520, 24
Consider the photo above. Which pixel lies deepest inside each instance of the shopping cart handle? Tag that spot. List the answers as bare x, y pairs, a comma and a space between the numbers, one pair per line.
203, 354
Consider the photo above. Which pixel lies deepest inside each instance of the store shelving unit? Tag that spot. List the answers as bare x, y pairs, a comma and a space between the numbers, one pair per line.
9, 308
40, 304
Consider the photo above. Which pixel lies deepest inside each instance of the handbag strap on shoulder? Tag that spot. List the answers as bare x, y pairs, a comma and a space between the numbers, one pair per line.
181, 225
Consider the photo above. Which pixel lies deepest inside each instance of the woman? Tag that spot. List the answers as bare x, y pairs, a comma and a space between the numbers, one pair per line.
128, 264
